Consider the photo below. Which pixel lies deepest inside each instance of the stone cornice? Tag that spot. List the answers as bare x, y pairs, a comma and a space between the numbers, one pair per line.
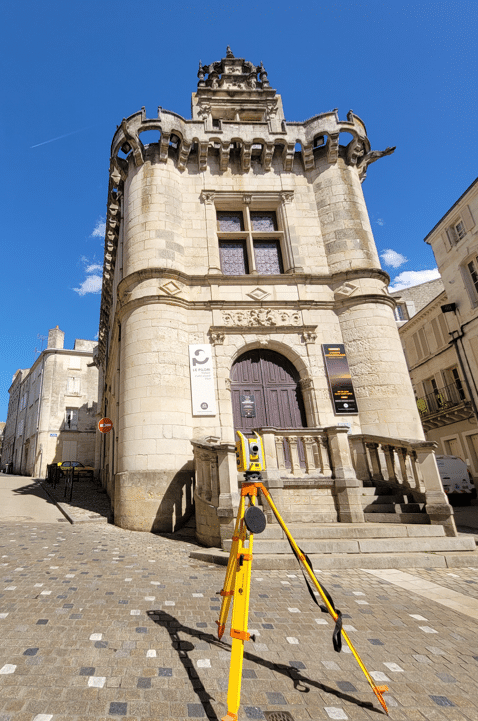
425, 312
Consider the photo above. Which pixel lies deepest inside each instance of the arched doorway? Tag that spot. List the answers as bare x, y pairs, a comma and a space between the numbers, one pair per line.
266, 392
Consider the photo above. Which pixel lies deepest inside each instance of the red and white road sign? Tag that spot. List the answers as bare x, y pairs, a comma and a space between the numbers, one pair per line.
105, 425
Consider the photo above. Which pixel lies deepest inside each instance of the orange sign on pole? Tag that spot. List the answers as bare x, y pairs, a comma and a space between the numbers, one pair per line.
105, 425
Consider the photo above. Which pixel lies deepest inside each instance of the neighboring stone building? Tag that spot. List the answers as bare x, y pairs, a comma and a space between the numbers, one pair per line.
2, 436
52, 409
411, 300
239, 243
441, 341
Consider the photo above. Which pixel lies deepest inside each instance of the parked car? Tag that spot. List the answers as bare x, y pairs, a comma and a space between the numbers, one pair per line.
456, 480
81, 471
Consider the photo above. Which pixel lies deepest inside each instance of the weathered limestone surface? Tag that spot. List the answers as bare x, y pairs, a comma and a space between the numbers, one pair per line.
164, 289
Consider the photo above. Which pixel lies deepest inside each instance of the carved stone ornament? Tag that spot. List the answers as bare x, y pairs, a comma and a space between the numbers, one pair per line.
345, 290
287, 196
264, 340
171, 288
261, 317
309, 337
306, 384
217, 338
258, 294
207, 197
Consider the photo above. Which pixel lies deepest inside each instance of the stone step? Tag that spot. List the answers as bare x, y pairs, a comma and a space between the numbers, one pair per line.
393, 508
368, 499
419, 518
305, 531
362, 545
288, 562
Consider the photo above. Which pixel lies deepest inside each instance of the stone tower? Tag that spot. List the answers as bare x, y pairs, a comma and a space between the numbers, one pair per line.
237, 245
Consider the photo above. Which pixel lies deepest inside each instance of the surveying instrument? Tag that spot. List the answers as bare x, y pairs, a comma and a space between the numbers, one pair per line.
237, 585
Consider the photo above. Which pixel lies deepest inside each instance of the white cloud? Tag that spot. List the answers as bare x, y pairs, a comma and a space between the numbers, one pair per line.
99, 229
392, 258
93, 267
92, 284
380, 221
413, 277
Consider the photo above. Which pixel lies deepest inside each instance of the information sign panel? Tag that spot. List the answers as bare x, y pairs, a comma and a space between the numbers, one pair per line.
340, 382
203, 393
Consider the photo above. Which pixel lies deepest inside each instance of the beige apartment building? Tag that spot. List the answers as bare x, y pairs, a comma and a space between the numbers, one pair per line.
242, 290
441, 341
52, 409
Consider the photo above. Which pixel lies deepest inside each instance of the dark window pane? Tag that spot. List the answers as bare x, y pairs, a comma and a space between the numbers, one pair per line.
233, 258
230, 222
264, 221
268, 257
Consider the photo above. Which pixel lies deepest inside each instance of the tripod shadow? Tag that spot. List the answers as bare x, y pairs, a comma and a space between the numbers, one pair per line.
300, 683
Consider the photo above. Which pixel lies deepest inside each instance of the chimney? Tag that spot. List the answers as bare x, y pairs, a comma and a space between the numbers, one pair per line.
56, 338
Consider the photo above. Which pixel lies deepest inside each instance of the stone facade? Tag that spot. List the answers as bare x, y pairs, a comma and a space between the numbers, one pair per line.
411, 300
52, 409
442, 347
311, 277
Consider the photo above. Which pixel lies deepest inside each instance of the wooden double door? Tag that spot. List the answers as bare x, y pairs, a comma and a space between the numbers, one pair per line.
266, 392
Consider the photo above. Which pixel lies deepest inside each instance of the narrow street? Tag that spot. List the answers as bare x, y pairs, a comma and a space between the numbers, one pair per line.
98, 623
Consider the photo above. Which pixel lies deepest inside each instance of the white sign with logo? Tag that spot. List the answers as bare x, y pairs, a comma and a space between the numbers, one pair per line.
202, 380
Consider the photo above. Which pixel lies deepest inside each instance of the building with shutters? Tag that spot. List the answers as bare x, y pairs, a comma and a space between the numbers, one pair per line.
243, 290
52, 409
441, 340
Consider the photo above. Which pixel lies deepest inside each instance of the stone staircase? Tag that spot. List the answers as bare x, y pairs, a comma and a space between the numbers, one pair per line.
351, 545
385, 504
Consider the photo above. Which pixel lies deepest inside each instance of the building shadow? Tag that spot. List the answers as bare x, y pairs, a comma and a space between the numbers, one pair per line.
177, 503
292, 676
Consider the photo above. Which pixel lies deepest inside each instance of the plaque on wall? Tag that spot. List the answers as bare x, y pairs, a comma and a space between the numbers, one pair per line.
248, 406
340, 382
203, 394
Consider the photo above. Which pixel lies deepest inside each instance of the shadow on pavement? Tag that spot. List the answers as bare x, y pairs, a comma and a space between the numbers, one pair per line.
87, 496
300, 683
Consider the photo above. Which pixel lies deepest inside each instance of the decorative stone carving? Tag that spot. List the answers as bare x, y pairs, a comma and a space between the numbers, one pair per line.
287, 196
171, 288
204, 110
333, 147
267, 154
309, 337
306, 384
308, 156
184, 154
164, 147
224, 150
246, 151
203, 147
217, 338
207, 197
264, 340
247, 198
288, 156
258, 294
345, 290
261, 317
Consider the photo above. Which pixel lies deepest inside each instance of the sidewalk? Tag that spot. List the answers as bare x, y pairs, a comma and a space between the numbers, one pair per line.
89, 503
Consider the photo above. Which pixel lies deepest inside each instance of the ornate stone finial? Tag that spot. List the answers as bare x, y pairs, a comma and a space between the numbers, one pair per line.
229, 53
201, 82
263, 76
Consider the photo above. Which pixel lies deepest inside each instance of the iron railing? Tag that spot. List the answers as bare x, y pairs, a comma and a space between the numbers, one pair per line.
441, 399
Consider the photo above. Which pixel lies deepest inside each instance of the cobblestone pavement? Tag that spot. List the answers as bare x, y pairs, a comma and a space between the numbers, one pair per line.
101, 623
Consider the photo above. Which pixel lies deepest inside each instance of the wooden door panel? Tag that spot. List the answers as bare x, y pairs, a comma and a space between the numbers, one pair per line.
245, 425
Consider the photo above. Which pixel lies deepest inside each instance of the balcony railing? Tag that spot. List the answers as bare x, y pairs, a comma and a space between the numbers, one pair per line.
441, 399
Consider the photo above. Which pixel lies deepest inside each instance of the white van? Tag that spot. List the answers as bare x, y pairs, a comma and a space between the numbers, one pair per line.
456, 480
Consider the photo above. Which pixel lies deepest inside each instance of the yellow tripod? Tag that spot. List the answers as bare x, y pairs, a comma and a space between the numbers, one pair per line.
237, 586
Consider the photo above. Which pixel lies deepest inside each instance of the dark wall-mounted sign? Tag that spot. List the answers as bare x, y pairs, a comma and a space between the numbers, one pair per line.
340, 382
248, 406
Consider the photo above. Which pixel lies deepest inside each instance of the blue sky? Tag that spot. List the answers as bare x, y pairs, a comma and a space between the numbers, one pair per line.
72, 71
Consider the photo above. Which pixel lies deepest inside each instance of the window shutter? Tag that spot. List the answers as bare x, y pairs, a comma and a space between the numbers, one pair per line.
451, 236
467, 218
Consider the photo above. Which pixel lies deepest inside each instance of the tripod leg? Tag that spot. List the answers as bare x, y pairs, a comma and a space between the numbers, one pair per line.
227, 592
378, 690
240, 612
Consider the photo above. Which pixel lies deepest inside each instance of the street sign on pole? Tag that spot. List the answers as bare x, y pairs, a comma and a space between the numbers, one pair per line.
105, 425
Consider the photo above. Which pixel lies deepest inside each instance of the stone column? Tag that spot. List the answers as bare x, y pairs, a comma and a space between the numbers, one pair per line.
390, 461
439, 510
347, 485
